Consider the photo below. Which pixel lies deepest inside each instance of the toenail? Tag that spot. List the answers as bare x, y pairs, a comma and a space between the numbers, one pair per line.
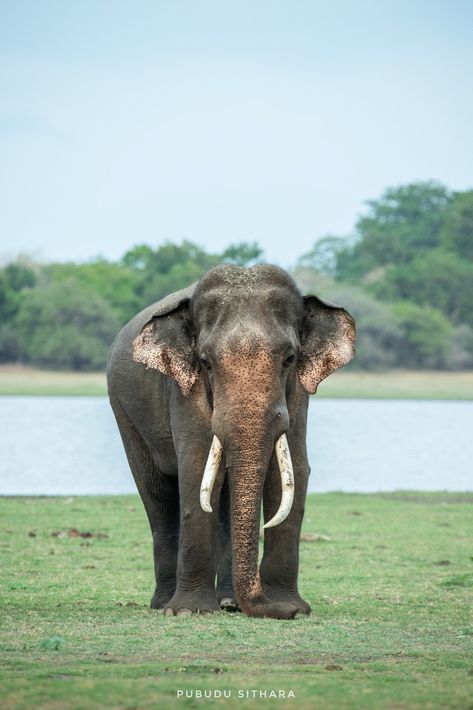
228, 601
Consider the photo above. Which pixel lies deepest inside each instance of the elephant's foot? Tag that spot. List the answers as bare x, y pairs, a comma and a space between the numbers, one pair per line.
188, 603
161, 597
229, 604
280, 595
226, 598
265, 608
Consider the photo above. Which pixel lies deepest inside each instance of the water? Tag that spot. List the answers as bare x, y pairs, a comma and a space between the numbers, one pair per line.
71, 446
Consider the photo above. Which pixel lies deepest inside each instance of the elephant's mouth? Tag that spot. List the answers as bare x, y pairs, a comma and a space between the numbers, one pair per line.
283, 456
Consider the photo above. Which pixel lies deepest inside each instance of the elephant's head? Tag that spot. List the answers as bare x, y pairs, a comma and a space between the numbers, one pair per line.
254, 345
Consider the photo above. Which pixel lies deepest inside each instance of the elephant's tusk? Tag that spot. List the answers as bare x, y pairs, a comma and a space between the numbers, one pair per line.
283, 456
210, 474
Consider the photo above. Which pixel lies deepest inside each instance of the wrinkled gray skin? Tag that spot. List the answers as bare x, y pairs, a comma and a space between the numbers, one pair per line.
234, 355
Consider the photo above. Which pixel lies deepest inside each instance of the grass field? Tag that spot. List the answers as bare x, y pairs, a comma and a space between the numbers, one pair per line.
390, 583
20, 380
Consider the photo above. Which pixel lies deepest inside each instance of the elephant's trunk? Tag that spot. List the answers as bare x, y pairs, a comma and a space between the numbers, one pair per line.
249, 416
246, 473
246, 479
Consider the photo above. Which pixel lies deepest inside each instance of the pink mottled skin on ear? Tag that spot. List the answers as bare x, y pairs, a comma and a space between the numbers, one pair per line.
319, 360
163, 357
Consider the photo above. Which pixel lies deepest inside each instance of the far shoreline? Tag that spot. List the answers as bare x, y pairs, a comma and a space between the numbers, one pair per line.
20, 380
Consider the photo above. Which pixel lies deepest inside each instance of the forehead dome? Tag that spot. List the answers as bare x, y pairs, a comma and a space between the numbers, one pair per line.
253, 279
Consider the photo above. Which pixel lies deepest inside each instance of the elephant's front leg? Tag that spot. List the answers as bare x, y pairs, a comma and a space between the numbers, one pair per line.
280, 564
195, 587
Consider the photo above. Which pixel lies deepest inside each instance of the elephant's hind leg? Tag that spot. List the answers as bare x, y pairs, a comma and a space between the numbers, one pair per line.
164, 522
160, 496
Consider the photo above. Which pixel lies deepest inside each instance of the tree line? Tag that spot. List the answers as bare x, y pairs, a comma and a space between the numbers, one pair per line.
405, 273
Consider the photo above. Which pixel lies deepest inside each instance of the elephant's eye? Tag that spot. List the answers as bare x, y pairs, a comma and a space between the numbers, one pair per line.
205, 363
289, 360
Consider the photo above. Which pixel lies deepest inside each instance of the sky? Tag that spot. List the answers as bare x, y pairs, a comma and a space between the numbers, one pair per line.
220, 121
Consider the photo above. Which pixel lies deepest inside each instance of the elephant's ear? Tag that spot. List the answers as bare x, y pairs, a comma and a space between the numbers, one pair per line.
327, 341
167, 342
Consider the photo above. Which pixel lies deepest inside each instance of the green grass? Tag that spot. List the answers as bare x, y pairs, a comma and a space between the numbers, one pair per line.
20, 380
396, 384
391, 592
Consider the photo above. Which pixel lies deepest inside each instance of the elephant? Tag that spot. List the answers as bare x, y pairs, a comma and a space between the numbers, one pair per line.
210, 389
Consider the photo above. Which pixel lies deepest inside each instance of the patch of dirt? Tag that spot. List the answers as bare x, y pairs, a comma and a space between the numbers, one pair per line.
74, 532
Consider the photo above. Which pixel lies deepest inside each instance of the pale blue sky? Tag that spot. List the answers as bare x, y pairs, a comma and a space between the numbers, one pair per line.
220, 121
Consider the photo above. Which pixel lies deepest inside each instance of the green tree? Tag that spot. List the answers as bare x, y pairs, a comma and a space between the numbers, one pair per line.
179, 276
171, 267
62, 325
439, 278
404, 223
427, 335
16, 279
324, 255
242, 254
168, 255
138, 258
457, 230
116, 284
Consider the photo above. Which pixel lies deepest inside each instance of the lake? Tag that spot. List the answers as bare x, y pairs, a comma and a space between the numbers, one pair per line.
71, 446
